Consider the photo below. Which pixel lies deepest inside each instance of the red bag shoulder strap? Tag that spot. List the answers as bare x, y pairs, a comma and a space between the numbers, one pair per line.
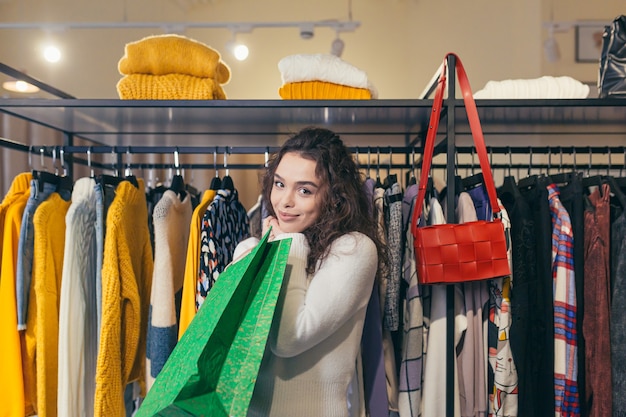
477, 135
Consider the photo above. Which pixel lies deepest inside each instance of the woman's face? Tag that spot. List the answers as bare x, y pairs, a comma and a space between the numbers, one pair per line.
296, 193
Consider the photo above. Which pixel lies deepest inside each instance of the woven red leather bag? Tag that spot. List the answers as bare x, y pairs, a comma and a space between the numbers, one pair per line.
472, 251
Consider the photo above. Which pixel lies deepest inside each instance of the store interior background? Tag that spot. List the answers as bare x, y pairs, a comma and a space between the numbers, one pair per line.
399, 44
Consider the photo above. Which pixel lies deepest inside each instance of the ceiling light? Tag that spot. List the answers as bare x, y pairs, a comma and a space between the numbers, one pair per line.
551, 47
241, 52
307, 30
19, 86
336, 48
52, 54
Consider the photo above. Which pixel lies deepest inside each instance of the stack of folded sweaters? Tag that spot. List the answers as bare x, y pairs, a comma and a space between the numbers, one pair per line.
171, 67
322, 77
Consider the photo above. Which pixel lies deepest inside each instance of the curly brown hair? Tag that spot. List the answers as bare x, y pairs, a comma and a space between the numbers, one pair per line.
344, 205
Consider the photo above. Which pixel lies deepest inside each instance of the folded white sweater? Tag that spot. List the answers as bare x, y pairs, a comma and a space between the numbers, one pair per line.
543, 87
323, 67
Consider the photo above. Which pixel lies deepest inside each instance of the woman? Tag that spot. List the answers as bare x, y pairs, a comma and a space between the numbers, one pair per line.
314, 196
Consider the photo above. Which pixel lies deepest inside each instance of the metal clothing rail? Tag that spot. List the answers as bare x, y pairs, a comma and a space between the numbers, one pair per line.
374, 155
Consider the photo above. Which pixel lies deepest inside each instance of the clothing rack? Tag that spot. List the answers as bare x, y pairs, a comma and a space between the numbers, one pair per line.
126, 128
378, 152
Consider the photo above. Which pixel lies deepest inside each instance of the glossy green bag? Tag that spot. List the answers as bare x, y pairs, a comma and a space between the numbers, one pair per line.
213, 369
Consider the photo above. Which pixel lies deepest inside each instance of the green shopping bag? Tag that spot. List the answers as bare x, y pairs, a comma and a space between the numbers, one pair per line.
213, 368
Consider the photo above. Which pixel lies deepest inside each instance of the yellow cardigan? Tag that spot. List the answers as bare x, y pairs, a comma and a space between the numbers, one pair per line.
126, 281
192, 264
42, 324
11, 384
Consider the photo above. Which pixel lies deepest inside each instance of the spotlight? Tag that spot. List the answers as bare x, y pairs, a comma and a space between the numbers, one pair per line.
19, 86
551, 47
307, 31
52, 54
336, 48
239, 50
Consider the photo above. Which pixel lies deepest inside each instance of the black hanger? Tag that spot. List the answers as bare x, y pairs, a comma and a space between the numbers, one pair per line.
65, 184
113, 180
379, 184
192, 190
509, 190
473, 181
178, 182
45, 177
615, 189
216, 183
529, 181
227, 183
390, 180
592, 181
178, 186
563, 178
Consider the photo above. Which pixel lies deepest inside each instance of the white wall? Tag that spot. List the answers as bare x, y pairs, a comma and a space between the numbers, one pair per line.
400, 42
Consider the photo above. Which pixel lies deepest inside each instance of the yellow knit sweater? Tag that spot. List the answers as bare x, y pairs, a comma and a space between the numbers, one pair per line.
173, 54
42, 325
168, 87
11, 384
126, 281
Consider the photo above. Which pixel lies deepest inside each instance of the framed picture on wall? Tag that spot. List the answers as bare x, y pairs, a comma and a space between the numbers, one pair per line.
589, 41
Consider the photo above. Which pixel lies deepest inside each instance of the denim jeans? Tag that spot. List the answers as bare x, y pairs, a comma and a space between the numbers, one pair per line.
104, 197
26, 248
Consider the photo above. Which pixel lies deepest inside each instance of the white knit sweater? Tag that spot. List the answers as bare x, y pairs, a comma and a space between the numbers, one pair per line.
311, 353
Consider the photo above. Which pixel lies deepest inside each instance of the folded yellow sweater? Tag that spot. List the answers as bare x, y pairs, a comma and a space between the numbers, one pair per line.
168, 87
321, 90
173, 54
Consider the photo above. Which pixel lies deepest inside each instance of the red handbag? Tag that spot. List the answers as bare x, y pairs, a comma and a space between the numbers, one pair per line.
472, 251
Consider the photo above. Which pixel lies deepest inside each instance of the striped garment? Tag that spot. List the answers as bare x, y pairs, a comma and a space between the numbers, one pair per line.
565, 337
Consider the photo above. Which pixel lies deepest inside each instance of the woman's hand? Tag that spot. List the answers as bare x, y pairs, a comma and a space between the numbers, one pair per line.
270, 221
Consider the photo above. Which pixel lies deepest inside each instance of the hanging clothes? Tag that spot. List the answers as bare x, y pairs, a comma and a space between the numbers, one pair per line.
598, 304
42, 326
171, 219
434, 386
411, 365
388, 346
618, 318
502, 373
105, 194
571, 196
564, 284
393, 232
126, 281
224, 224
532, 335
12, 397
39, 192
192, 263
78, 323
471, 356
372, 381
